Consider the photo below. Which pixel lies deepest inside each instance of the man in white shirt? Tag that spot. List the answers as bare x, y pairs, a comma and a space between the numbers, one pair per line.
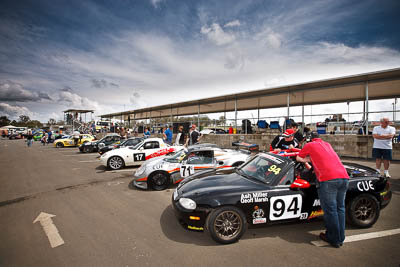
382, 148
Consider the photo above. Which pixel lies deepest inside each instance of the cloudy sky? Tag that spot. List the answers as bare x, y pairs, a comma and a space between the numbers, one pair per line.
118, 55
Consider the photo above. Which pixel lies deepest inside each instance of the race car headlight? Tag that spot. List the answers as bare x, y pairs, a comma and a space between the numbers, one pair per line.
140, 171
187, 203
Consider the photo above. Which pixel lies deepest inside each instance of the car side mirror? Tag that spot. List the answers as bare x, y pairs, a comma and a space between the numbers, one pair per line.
101, 145
220, 162
300, 184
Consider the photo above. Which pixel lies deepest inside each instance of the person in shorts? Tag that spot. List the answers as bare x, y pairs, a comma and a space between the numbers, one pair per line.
382, 148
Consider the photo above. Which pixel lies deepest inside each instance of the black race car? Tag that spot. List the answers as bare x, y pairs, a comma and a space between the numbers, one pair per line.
269, 189
128, 142
94, 146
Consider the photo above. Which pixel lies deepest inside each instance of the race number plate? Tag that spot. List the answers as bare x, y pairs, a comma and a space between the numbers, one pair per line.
285, 207
139, 157
186, 170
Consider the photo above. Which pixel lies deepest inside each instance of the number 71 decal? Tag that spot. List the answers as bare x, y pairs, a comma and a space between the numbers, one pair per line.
187, 170
285, 207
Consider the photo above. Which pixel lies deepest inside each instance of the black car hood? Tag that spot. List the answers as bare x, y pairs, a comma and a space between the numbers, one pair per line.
356, 170
214, 182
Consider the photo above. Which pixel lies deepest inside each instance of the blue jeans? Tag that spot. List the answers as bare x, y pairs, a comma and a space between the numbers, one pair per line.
332, 195
29, 142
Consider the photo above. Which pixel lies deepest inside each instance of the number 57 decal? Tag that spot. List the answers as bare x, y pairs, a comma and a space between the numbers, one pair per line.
285, 207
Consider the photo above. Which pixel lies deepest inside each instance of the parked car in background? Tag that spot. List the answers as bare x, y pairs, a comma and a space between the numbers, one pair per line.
133, 141
93, 146
135, 156
70, 142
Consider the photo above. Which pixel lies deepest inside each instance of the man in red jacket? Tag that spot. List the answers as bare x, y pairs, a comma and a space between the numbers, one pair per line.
333, 183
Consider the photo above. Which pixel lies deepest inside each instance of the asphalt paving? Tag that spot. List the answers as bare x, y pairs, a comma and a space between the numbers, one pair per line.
102, 221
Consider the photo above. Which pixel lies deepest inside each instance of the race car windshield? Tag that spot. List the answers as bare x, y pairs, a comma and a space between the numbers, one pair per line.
176, 157
262, 169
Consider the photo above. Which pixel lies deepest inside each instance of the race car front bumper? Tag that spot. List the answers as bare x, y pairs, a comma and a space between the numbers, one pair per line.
190, 220
140, 184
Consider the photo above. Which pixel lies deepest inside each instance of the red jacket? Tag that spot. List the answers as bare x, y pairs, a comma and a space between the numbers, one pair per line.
327, 165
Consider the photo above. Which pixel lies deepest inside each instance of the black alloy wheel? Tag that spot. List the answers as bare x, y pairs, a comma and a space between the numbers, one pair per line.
60, 145
159, 181
363, 210
88, 149
226, 224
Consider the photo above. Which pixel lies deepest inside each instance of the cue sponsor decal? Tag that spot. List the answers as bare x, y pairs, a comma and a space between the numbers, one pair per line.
365, 186
254, 197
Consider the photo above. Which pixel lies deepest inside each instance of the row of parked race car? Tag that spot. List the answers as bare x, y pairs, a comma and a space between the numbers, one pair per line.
224, 191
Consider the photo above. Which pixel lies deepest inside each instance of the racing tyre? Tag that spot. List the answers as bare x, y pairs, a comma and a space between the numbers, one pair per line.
60, 145
115, 163
88, 149
363, 210
159, 181
226, 224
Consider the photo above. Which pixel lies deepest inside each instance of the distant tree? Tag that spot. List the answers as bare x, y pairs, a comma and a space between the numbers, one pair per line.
24, 118
34, 124
60, 122
4, 121
14, 122
51, 121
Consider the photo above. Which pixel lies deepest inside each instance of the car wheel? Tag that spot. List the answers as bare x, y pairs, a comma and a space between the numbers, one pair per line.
363, 210
88, 149
60, 145
115, 163
226, 225
159, 181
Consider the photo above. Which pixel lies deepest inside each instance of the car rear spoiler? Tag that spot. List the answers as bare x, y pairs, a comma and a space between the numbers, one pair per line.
250, 147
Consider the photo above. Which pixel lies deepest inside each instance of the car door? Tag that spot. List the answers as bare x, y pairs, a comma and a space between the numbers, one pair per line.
197, 161
288, 203
145, 151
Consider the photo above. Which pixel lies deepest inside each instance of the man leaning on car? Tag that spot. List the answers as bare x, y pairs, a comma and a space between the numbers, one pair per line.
333, 183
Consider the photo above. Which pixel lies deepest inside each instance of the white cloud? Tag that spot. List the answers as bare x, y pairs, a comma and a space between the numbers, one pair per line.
233, 23
71, 99
217, 35
156, 3
13, 111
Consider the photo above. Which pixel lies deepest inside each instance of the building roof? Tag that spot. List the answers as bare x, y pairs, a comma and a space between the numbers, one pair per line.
381, 85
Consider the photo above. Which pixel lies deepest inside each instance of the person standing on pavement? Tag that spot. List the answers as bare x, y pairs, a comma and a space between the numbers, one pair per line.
382, 148
29, 138
146, 133
168, 134
333, 182
194, 136
180, 137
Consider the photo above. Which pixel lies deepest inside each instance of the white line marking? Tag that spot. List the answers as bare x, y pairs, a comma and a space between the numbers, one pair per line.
121, 171
77, 154
361, 237
115, 183
49, 229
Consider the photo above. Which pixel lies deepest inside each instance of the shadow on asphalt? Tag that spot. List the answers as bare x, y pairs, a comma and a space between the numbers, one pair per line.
291, 232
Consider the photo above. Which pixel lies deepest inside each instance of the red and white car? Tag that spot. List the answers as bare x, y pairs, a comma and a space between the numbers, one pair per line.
136, 155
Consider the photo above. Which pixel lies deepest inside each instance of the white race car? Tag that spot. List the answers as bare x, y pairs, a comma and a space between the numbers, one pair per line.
136, 155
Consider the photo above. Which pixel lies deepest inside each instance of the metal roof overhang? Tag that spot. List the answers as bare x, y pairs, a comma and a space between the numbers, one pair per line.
381, 85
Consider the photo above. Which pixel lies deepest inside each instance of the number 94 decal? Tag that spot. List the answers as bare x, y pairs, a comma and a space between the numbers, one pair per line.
285, 207
274, 169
